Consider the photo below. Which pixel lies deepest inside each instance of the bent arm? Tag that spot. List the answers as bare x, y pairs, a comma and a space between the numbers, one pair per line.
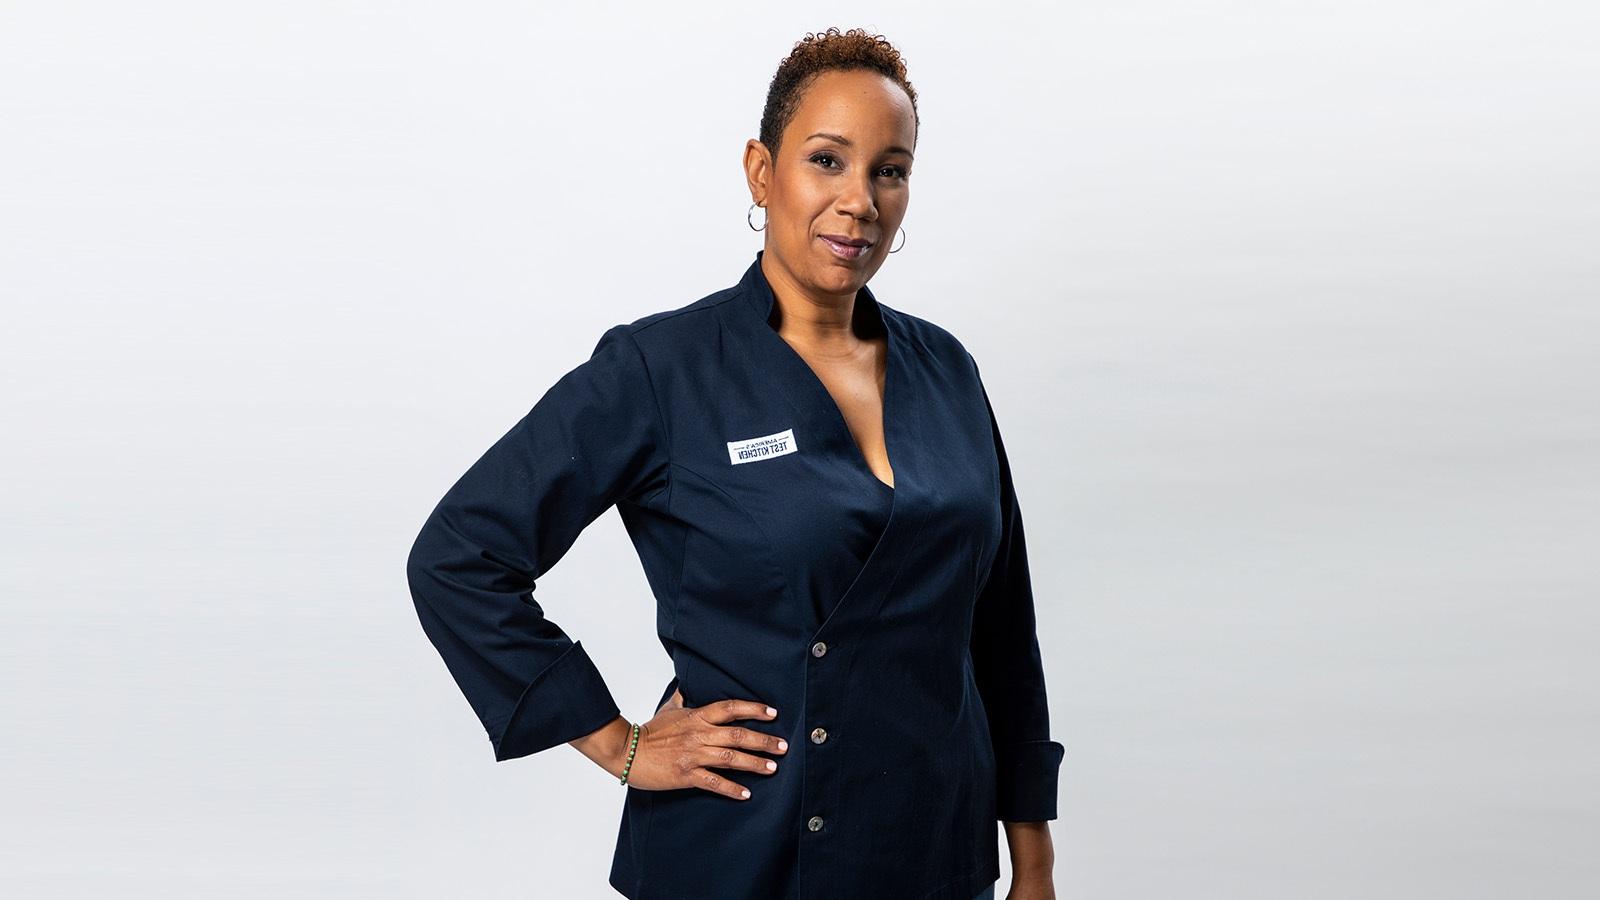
593, 438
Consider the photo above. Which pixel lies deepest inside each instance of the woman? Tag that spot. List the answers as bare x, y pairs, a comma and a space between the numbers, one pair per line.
820, 497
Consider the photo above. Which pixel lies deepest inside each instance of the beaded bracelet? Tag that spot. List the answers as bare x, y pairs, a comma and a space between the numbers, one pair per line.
633, 744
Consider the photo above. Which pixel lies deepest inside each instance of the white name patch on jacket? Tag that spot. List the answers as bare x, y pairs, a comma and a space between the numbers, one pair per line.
766, 447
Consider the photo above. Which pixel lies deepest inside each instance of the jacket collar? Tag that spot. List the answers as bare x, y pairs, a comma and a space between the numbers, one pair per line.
756, 292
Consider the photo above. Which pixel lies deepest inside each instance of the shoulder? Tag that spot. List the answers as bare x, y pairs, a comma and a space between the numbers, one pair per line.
660, 335
934, 342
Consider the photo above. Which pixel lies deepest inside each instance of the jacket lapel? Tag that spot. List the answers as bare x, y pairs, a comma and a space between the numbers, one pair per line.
811, 401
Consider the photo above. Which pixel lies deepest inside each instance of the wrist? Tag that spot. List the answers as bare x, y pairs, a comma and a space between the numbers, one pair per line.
607, 746
630, 738
1031, 849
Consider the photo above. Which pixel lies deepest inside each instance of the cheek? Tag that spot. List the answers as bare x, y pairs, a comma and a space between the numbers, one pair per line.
806, 205
799, 227
892, 204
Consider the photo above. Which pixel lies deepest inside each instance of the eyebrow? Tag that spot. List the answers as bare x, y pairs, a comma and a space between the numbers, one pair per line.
844, 141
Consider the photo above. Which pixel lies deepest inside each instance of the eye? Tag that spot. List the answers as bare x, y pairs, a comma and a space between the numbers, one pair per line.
890, 171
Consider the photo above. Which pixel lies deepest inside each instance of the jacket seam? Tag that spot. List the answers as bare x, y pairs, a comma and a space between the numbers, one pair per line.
661, 419
666, 450
766, 539
683, 566
733, 291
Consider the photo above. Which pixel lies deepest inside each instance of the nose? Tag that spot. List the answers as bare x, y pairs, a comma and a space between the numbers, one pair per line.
857, 199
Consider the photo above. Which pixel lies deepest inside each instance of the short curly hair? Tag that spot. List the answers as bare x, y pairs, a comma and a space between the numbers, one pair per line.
825, 52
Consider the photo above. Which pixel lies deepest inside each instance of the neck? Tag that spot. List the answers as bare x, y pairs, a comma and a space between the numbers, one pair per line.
805, 316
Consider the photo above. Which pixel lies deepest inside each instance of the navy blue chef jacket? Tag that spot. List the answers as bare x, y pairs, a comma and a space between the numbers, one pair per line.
892, 628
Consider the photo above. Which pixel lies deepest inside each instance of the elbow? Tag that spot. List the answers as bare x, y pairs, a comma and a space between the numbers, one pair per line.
420, 563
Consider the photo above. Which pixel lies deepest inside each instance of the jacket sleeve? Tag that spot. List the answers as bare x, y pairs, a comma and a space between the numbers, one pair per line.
595, 437
1009, 670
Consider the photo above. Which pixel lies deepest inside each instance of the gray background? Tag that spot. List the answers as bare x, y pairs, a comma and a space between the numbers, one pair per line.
1287, 309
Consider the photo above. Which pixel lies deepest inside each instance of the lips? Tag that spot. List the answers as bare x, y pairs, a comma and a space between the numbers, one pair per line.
845, 248
847, 240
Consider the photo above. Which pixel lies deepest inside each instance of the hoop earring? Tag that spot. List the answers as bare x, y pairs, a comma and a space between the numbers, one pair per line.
902, 241
752, 224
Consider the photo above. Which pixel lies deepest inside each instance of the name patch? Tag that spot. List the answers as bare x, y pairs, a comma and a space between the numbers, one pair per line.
765, 447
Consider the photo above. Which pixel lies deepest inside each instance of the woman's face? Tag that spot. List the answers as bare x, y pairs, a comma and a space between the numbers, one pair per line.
840, 176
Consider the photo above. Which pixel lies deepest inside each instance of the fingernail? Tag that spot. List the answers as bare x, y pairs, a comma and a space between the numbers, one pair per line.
771, 765
771, 711
745, 793
783, 745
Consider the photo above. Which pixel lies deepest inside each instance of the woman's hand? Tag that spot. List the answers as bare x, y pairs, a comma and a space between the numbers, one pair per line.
680, 746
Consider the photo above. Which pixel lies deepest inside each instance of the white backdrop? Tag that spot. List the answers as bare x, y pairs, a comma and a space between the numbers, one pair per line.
1288, 311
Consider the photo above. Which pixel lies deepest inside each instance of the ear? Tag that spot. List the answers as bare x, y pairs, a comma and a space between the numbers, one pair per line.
757, 170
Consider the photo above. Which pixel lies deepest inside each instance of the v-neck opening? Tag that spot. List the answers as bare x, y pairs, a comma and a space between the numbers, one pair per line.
764, 308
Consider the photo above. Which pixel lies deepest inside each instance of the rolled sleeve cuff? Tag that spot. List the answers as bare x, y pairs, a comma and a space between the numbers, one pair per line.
1026, 778
568, 700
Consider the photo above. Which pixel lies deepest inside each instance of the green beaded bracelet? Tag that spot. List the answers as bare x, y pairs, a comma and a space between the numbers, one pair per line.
633, 744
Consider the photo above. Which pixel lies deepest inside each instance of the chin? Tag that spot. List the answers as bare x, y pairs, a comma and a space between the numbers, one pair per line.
836, 279
835, 269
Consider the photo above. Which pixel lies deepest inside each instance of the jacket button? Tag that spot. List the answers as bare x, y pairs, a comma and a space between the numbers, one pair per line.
818, 735
814, 823
819, 648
